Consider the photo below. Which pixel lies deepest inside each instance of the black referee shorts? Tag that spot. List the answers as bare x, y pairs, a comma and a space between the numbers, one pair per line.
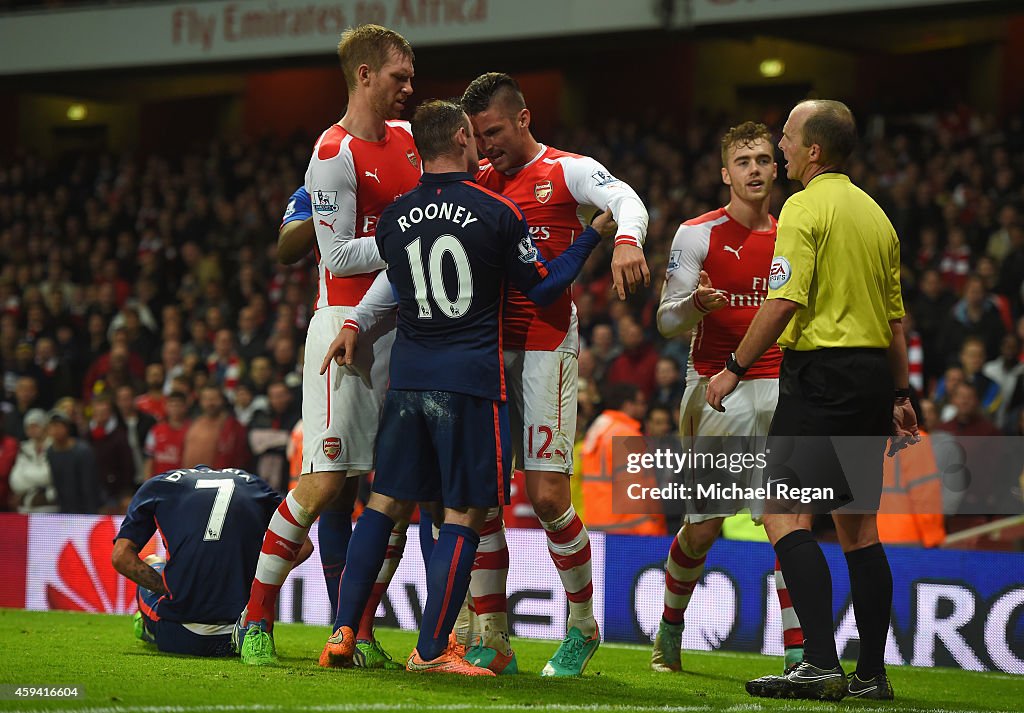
830, 428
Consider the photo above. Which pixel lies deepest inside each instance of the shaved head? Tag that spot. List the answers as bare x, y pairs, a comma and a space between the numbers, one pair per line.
493, 90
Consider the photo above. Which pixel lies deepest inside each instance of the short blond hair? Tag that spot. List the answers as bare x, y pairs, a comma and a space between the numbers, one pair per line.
370, 45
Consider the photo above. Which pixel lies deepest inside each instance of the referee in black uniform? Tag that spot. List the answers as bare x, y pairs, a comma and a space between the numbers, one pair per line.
834, 305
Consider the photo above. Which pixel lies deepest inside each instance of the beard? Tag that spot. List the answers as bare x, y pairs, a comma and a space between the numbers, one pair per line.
388, 108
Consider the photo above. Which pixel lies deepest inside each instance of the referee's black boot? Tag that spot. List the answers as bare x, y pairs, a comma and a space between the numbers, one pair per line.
877, 688
805, 681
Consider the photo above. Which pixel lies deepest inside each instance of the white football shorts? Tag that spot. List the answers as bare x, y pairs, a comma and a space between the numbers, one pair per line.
748, 412
341, 409
542, 387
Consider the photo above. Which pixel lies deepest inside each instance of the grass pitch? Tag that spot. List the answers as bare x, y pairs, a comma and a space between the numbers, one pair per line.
119, 673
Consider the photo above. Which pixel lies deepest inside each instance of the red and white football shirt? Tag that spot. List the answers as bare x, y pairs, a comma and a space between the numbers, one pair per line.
737, 260
558, 193
165, 444
350, 181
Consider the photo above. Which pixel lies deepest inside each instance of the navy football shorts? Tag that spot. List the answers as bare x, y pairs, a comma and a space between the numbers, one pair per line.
443, 446
173, 637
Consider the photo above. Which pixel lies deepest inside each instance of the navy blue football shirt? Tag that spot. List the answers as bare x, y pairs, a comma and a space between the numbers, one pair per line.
451, 247
212, 523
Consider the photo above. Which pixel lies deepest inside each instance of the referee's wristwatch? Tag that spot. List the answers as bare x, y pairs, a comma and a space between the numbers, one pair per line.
901, 394
734, 366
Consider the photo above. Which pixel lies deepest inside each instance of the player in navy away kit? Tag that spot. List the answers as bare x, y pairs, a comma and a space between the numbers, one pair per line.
451, 246
212, 524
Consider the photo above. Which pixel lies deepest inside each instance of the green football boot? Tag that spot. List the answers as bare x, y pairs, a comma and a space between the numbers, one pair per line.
666, 655
139, 629
573, 654
258, 645
794, 655
487, 657
370, 654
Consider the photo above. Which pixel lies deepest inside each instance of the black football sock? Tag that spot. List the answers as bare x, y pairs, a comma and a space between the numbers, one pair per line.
810, 588
871, 587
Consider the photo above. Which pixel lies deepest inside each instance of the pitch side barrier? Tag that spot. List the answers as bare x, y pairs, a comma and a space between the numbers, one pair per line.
950, 608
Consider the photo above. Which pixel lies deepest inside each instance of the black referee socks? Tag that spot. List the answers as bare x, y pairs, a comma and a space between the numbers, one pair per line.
871, 587
810, 587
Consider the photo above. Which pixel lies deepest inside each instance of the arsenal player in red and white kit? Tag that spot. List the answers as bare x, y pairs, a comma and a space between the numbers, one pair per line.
556, 191
359, 166
733, 248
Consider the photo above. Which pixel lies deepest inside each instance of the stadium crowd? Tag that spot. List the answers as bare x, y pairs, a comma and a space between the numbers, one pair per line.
145, 323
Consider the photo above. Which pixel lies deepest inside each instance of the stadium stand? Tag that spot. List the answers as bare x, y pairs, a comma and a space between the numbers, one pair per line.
118, 263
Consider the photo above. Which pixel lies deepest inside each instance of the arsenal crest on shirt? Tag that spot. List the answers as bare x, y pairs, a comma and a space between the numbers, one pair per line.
332, 447
411, 155
542, 191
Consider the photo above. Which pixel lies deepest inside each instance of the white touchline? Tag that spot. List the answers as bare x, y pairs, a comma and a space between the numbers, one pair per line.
567, 708
359, 707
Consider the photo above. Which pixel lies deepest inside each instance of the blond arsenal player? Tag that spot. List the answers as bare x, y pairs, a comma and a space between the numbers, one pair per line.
359, 166
554, 189
731, 247
835, 306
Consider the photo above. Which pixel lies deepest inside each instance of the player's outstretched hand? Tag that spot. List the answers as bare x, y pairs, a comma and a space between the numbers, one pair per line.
342, 349
905, 431
721, 385
708, 298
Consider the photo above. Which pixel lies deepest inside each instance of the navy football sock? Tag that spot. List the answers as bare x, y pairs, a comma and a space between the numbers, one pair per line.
426, 535
334, 532
366, 551
447, 583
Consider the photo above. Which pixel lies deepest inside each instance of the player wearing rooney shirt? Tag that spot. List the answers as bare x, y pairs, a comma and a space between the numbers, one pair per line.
553, 188
733, 247
295, 240
359, 166
211, 522
451, 247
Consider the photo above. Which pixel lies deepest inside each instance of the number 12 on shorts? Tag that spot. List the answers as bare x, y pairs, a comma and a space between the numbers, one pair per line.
539, 435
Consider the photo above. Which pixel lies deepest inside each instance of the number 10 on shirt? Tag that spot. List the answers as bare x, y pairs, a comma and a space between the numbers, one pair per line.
443, 245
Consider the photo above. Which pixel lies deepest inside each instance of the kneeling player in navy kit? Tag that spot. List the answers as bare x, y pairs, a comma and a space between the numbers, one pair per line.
212, 524
451, 248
